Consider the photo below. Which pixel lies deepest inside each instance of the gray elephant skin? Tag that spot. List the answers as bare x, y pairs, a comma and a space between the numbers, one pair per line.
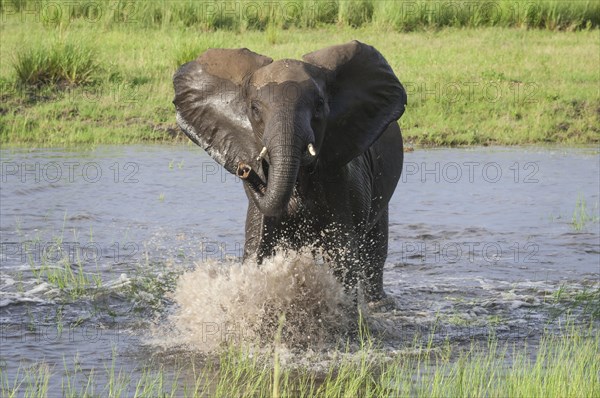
316, 141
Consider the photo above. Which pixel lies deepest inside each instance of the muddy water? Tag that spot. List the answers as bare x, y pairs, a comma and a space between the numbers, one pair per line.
481, 240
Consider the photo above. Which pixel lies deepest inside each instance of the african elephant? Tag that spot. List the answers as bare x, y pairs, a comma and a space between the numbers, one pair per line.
316, 142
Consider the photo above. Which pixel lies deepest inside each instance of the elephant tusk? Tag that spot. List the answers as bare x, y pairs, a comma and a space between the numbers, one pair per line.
311, 150
262, 154
246, 173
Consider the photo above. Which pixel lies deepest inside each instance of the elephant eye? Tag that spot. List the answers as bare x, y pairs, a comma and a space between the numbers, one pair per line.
319, 107
254, 109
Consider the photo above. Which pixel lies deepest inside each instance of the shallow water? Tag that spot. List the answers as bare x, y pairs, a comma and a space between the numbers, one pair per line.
480, 239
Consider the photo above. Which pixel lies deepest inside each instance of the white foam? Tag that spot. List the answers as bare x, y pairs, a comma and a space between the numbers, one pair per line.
227, 302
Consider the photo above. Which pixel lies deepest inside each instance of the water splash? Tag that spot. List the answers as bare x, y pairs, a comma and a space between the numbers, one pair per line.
227, 302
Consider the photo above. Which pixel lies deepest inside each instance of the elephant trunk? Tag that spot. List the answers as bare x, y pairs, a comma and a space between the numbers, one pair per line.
284, 157
246, 173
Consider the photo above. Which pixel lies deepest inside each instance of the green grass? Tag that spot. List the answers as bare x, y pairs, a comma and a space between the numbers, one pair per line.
494, 83
562, 366
240, 15
60, 264
581, 214
63, 64
56, 267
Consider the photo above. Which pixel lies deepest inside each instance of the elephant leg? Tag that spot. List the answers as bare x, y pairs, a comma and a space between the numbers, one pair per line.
344, 258
347, 268
256, 246
253, 232
374, 253
347, 274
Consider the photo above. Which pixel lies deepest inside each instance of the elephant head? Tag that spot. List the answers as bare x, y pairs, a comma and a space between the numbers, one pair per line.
278, 117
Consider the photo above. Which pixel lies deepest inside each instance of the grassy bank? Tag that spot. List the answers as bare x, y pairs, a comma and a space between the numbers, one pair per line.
240, 15
108, 80
565, 366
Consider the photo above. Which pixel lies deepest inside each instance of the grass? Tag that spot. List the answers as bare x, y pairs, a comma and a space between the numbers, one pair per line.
56, 267
569, 301
71, 266
563, 366
539, 88
494, 83
63, 64
581, 216
240, 15
61, 264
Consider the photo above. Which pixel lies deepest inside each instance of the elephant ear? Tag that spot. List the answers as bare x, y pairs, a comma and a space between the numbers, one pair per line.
210, 105
365, 96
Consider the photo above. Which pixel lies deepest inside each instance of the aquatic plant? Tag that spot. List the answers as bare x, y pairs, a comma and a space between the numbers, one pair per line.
581, 214
62, 268
564, 365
